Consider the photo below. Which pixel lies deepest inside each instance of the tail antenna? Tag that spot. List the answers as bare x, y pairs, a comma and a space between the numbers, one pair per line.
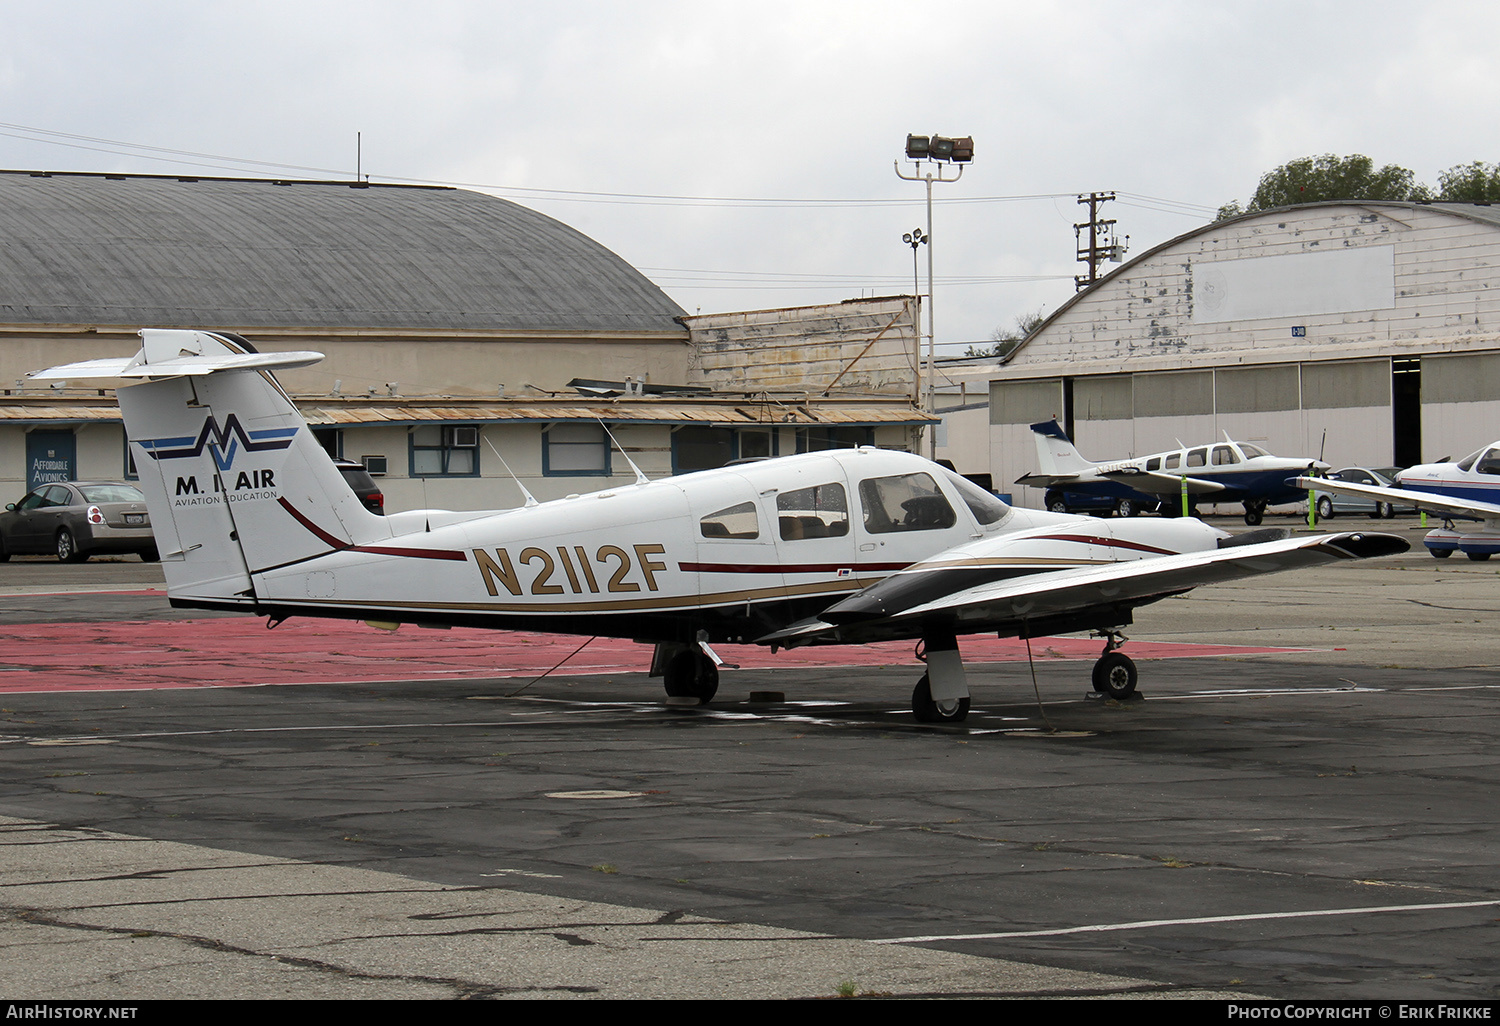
640, 478
530, 499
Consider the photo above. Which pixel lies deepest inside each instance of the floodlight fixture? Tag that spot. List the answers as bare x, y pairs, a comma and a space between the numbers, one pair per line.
917, 147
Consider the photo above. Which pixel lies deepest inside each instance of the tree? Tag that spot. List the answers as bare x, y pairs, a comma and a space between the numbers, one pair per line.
1007, 340
1470, 183
1320, 179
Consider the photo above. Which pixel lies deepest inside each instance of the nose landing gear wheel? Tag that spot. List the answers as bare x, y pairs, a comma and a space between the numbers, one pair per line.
1114, 675
926, 710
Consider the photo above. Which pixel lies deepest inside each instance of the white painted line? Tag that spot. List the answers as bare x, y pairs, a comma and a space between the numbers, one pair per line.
1150, 924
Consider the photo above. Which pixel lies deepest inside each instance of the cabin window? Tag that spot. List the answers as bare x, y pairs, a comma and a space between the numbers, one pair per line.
575, 450
908, 502
1224, 456
444, 450
1173, 461
738, 521
1197, 457
821, 511
1154, 463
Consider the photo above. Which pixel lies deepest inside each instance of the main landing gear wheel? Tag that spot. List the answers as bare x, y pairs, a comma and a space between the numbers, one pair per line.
1114, 675
1478, 557
1441, 553
691, 675
1255, 512
926, 710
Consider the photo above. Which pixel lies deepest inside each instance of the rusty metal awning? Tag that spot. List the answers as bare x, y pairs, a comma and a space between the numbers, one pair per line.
320, 411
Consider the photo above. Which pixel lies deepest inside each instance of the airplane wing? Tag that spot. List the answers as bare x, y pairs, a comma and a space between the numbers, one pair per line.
1154, 482
1430, 501
1044, 600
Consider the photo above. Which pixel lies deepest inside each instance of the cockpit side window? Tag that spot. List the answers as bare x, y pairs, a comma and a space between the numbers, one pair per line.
738, 521
1224, 456
821, 511
1490, 463
907, 502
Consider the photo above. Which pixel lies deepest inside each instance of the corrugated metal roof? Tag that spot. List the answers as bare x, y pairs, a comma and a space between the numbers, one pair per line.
237, 253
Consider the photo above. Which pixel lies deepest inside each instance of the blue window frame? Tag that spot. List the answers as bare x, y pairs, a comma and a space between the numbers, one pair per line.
699, 447
443, 450
575, 450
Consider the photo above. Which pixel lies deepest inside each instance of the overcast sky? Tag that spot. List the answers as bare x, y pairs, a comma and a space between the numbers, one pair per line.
1178, 107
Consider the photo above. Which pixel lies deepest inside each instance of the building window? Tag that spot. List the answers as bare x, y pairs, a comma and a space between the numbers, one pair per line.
816, 439
701, 448
440, 450
332, 441
704, 448
575, 450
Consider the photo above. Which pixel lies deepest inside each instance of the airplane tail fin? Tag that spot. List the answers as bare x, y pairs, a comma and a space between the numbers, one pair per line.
234, 479
1056, 456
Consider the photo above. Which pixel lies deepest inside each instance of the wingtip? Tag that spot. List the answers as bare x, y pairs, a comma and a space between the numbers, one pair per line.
1367, 545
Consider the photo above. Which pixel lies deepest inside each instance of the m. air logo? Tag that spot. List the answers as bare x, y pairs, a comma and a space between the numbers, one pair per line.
224, 444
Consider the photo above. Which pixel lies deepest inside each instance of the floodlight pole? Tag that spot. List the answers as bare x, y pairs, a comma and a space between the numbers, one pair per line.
928, 177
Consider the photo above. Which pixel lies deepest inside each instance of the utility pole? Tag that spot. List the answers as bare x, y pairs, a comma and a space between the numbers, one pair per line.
1102, 244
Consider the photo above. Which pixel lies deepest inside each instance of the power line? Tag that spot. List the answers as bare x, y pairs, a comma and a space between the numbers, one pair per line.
194, 158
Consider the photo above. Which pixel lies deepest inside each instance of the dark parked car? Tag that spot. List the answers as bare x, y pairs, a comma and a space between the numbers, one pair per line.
363, 484
76, 519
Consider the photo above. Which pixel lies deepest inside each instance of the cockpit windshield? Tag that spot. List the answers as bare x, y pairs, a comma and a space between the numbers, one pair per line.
987, 509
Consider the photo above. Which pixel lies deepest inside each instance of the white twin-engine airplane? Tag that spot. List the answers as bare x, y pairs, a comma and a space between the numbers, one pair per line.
845, 546
1464, 489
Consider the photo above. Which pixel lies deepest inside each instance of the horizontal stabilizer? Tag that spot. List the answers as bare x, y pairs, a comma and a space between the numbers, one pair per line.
1045, 480
138, 367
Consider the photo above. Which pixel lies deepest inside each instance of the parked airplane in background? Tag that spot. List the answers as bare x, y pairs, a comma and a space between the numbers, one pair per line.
1464, 489
1226, 471
832, 547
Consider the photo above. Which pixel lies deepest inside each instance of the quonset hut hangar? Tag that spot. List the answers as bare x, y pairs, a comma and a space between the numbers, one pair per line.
458, 327
1368, 332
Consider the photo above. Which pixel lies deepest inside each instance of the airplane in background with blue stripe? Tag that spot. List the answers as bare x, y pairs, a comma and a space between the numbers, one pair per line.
1226, 471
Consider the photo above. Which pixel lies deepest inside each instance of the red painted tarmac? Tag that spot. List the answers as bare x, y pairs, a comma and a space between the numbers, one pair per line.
241, 652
